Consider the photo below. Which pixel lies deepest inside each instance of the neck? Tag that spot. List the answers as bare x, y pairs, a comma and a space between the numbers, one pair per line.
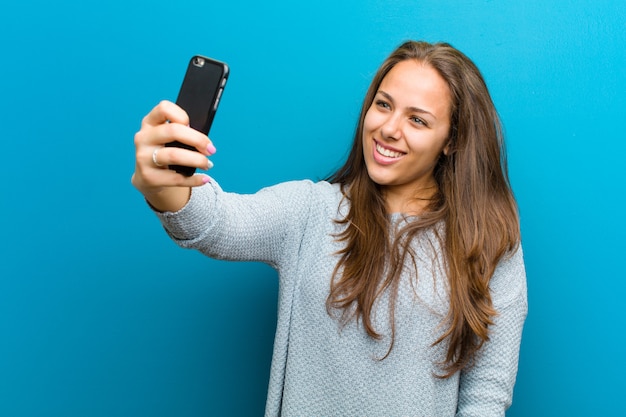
412, 204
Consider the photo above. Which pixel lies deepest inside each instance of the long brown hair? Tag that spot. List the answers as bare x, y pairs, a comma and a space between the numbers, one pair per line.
473, 201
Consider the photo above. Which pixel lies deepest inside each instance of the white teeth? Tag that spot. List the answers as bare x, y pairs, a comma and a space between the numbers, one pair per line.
387, 152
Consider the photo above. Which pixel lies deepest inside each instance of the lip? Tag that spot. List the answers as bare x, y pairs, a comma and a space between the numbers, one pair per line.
382, 159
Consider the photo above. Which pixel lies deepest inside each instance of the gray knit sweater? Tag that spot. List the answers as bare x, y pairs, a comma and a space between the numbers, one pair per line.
322, 369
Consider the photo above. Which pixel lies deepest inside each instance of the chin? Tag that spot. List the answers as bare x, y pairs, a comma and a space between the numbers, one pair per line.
378, 180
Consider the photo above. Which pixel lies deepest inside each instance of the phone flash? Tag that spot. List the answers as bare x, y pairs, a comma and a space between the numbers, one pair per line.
198, 62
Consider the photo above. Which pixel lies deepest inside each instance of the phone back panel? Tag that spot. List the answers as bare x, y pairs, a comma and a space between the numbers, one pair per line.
201, 91
199, 96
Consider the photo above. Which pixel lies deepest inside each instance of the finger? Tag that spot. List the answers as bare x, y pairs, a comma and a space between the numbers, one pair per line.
170, 178
159, 179
170, 132
196, 180
166, 111
149, 176
163, 157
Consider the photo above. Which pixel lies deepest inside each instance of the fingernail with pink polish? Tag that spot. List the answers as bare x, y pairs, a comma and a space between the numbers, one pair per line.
211, 149
206, 179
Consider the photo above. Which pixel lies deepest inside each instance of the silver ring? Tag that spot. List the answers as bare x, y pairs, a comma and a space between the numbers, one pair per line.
154, 157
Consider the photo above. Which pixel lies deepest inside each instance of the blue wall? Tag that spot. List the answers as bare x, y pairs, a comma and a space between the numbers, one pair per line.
101, 315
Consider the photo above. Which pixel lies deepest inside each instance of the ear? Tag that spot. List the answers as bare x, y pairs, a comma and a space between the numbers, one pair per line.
446, 149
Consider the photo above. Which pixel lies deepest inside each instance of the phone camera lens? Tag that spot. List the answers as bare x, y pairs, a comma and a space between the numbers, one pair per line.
198, 62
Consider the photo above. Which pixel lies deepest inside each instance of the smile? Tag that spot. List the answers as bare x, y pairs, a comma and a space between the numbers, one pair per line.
387, 152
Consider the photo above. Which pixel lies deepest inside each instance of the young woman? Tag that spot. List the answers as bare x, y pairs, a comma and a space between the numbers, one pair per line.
402, 283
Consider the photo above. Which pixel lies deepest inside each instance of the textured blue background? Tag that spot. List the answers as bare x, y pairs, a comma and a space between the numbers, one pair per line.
101, 315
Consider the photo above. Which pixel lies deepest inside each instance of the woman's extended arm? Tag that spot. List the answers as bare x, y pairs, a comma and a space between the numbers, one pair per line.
221, 225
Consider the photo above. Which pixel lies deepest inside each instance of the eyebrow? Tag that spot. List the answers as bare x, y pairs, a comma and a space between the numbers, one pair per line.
413, 109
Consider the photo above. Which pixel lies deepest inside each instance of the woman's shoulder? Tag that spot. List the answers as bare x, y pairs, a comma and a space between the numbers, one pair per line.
320, 199
320, 187
316, 191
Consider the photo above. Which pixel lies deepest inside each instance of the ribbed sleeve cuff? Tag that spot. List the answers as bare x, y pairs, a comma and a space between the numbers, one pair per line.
196, 217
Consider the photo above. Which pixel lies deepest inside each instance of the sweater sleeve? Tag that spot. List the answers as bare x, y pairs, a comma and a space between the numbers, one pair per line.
486, 389
245, 227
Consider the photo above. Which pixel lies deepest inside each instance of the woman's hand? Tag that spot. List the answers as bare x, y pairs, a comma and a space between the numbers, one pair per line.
165, 189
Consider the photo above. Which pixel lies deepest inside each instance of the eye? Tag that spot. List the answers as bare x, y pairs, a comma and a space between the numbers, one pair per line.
418, 121
382, 104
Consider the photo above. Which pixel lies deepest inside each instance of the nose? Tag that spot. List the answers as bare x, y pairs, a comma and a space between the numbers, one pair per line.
391, 128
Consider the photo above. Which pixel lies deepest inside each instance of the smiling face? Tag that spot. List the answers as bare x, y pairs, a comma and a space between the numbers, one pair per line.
405, 131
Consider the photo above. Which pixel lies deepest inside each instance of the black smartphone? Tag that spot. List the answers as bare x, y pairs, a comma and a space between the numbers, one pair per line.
199, 96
